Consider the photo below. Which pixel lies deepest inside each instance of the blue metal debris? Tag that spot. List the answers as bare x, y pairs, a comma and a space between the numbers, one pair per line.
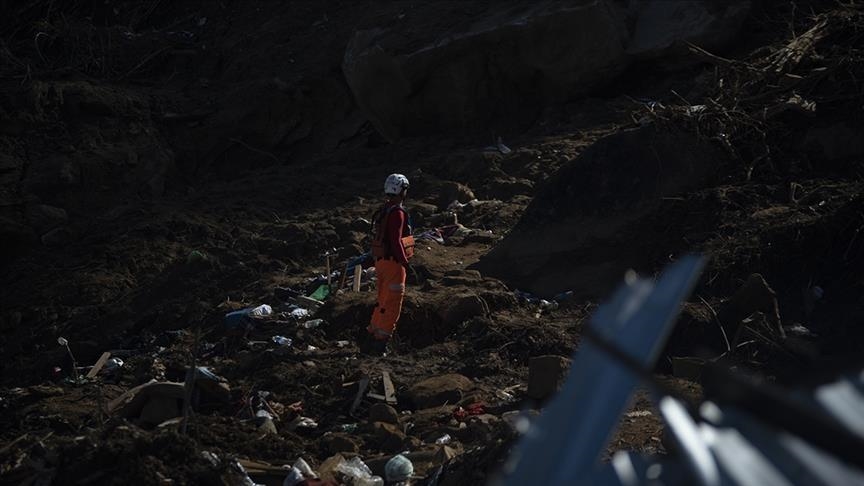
747, 434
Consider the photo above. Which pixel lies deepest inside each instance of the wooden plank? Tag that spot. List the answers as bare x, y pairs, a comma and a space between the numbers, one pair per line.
364, 383
358, 273
376, 396
99, 365
261, 468
389, 389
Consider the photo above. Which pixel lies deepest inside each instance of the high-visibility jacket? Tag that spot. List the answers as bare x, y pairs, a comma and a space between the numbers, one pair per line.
392, 238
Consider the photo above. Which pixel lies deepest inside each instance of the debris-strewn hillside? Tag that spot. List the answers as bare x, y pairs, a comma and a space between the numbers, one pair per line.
163, 164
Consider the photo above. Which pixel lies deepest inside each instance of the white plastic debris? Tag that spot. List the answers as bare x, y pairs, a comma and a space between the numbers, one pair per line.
359, 473
444, 439
502, 148
299, 313
306, 423
113, 364
212, 458
303, 466
263, 414
293, 478
261, 310
282, 340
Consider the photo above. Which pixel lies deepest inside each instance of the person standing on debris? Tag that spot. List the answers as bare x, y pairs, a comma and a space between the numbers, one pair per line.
392, 247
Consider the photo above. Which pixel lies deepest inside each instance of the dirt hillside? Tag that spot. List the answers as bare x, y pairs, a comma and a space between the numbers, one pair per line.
163, 164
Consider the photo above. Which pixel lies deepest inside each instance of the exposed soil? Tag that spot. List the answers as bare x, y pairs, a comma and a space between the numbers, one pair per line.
162, 165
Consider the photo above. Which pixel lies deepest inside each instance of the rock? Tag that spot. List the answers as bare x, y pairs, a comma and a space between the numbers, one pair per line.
337, 443
56, 238
44, 218
381, 412
662, 28
510, 64
440, 390
388, 437
579, 230
454, 191
545, 375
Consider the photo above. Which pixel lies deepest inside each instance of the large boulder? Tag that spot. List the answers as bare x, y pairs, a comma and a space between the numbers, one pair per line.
439, 390
497, 74
610, 209
512, 62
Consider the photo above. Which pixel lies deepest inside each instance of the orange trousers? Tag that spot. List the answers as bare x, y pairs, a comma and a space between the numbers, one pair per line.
390, 275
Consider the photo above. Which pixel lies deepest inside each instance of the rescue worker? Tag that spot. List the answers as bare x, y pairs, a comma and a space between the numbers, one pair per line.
392, 248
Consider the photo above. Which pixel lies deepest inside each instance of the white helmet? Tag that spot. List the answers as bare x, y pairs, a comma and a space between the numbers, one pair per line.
395, 184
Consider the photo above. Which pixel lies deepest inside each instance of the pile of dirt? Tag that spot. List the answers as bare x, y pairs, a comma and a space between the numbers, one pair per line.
165, 164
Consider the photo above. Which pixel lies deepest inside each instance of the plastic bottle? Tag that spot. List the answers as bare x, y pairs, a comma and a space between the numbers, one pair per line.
312, 324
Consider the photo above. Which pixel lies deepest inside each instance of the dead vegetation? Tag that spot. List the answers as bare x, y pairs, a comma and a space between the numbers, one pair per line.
747, 102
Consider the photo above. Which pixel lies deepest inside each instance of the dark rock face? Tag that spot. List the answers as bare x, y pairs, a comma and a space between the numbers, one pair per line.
618, 188
498, 73
505, 65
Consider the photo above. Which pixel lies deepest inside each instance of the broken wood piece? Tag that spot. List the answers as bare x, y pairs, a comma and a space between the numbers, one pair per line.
309, 302
361, 389
389, 389
9, 446
358, 272
344, 278
376, 396
100, 363
260, 468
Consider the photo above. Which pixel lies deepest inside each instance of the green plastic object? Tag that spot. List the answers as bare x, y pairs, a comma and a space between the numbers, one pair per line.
321, 292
